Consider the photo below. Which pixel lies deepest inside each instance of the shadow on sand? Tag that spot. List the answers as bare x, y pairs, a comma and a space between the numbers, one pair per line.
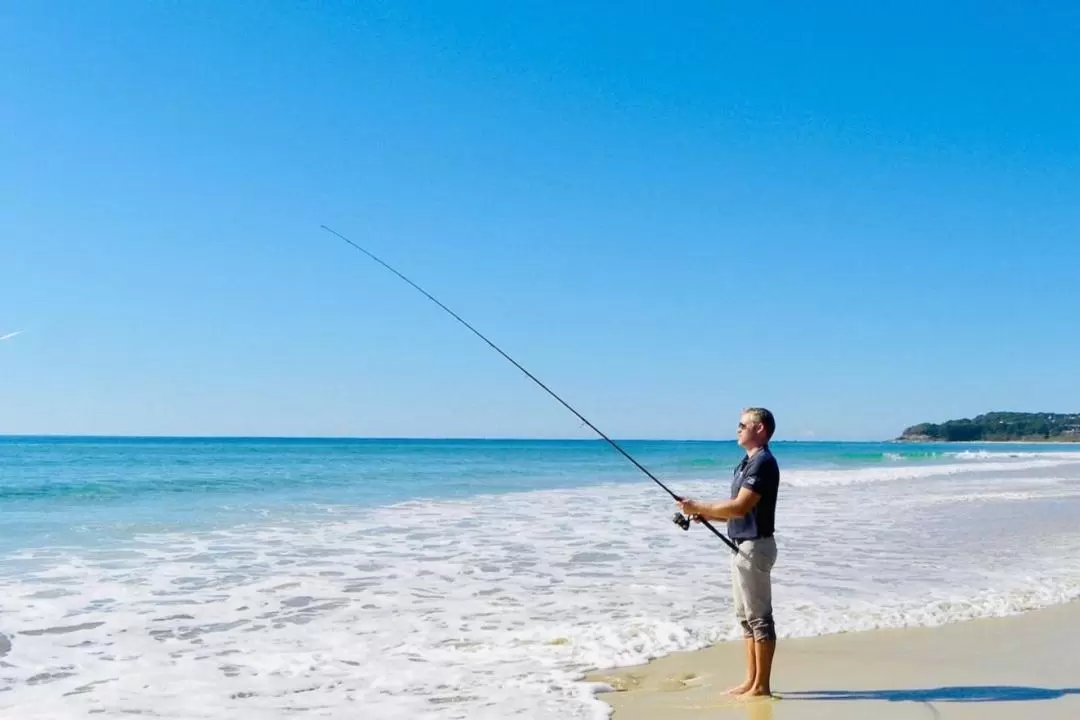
958, 693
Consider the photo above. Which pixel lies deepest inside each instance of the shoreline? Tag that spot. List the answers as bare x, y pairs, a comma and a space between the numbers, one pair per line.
1007, 667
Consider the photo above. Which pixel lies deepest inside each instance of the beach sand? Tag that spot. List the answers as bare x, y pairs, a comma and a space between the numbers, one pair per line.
1024, 666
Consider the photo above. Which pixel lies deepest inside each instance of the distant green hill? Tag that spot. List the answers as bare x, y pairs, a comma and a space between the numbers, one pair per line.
1048, 427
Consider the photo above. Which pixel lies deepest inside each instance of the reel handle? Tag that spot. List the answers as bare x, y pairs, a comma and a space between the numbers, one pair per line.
681, 520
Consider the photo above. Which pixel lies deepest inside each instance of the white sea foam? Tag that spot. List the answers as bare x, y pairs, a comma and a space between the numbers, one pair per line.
995, 496
971, 463
497, 605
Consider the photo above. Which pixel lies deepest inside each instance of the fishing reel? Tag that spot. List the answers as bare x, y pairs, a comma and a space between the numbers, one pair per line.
681, 520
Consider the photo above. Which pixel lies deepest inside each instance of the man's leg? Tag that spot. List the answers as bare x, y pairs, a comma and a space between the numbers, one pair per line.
738, 596
751, 669
763, 657
758, 598
751, 666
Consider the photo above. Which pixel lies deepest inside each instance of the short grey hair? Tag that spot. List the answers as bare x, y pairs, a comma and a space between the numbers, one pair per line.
765, 417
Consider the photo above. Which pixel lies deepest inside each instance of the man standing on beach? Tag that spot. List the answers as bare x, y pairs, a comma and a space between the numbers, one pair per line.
750, 516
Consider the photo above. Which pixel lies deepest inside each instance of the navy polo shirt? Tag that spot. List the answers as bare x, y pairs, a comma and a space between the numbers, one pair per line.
761, 474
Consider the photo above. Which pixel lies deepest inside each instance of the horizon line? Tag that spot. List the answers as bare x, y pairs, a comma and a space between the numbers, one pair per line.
507, 438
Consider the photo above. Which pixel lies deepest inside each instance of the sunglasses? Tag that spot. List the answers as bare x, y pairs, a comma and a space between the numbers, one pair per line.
743, 426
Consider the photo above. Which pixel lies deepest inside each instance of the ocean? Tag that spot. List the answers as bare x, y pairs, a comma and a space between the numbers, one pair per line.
272, 578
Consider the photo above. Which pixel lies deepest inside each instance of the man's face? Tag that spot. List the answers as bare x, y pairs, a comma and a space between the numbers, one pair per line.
748, 430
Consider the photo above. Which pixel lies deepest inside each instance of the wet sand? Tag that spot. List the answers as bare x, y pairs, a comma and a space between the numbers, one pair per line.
1024, 666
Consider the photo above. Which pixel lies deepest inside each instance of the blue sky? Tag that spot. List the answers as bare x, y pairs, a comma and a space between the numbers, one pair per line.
861, 218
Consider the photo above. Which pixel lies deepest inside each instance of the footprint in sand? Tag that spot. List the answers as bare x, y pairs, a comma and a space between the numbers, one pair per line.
623, 681
681, 682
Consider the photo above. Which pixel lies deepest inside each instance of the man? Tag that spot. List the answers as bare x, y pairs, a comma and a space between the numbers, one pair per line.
750, 516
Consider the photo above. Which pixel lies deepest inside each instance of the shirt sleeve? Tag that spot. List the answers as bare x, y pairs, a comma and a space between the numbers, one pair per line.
761, 474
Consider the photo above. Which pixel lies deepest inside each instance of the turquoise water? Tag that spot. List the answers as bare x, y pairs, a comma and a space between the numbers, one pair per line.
90, 490
261, 578
76, 471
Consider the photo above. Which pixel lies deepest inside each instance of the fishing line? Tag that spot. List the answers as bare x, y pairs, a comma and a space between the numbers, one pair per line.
679, 519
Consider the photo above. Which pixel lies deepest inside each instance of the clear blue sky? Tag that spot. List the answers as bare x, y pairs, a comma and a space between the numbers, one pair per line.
862, 217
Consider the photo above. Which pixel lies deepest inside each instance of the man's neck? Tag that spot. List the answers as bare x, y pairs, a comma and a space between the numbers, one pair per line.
751, 452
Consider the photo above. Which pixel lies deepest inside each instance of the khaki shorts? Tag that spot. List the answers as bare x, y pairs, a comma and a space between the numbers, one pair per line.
751, 583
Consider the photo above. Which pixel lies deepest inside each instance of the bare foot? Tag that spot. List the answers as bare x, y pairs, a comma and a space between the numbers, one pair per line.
740, 689
758, 692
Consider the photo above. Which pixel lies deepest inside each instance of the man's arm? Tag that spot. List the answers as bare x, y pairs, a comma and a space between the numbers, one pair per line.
743, 503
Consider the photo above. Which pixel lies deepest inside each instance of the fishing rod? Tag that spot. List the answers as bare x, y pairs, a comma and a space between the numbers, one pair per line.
679, 519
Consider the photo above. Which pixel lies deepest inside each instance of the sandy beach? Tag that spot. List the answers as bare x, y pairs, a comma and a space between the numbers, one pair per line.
1023, 666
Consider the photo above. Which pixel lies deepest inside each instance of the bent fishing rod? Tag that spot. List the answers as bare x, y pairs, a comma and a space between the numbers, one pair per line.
679, 519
